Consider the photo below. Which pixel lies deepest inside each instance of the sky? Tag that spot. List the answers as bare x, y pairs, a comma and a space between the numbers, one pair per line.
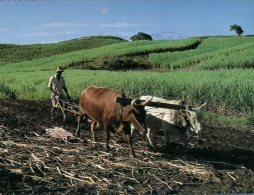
47, 21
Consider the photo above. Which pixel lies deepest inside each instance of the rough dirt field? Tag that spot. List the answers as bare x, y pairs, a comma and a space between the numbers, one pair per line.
31, 161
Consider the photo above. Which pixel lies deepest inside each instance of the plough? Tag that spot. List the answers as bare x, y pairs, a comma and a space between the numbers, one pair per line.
70, 107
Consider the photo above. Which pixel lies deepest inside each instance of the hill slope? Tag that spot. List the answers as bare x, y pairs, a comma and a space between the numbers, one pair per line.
82, 57
16, 53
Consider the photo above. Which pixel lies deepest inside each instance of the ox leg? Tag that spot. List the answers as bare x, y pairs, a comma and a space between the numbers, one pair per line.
127, 132
80, 118
186, 138
106, 132
166, 138
93, 128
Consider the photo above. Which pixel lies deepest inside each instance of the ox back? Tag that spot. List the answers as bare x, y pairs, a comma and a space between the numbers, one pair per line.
100, 104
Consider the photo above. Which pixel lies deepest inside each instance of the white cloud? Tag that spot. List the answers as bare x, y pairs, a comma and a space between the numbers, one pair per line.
104, 11
56, 24
49, 34
85, 25
118, 25
167, 35
61, 25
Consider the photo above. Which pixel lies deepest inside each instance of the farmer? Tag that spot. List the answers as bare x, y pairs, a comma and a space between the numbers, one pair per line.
57, 85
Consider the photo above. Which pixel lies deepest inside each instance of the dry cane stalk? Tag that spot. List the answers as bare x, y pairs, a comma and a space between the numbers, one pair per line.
160, 181
231, 176
77, 179
132, 172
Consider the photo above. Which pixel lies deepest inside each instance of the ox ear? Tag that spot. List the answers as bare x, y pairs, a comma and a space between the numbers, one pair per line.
184, 112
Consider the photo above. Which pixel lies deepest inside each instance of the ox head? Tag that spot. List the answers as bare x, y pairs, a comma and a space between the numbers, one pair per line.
194, 117
138, 114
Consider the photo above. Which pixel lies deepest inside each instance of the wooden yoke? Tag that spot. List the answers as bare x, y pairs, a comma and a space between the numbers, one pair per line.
125, 101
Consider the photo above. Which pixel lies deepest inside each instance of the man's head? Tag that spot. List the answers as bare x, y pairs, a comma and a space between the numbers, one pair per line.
59, 69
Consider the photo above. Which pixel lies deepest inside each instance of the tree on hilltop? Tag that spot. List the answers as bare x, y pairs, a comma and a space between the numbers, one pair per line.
141, 36
238, 29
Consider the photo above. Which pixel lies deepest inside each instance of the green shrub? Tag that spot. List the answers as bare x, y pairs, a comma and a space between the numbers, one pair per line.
7, 91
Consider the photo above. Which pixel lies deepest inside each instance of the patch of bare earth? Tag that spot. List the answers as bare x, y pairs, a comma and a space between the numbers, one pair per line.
37, 156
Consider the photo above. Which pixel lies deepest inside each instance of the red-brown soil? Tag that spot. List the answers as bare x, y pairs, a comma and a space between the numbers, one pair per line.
221, 160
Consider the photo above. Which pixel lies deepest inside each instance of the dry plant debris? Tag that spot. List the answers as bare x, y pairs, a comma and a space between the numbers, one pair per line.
52, 161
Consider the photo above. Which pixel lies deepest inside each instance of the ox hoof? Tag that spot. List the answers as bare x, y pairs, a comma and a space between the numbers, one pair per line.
108, 148
132, 155
152, 146
189, 145
85, 141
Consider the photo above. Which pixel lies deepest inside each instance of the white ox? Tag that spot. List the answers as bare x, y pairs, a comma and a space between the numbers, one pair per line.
174, 123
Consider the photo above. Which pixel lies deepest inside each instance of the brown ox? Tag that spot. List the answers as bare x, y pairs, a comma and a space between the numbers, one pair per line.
100, 105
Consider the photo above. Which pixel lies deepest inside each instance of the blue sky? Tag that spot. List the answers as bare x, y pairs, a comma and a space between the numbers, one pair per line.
41, 21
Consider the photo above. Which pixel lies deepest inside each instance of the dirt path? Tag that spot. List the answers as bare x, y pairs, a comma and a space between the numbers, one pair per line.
221, 160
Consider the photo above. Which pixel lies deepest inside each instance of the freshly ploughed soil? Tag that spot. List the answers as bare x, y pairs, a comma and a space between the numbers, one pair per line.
221, 159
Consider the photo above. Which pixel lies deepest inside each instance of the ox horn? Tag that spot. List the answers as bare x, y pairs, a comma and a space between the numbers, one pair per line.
147, 101
203, 105
134, 105
134, 102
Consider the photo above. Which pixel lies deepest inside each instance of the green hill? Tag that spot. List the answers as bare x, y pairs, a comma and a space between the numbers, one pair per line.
15, 53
